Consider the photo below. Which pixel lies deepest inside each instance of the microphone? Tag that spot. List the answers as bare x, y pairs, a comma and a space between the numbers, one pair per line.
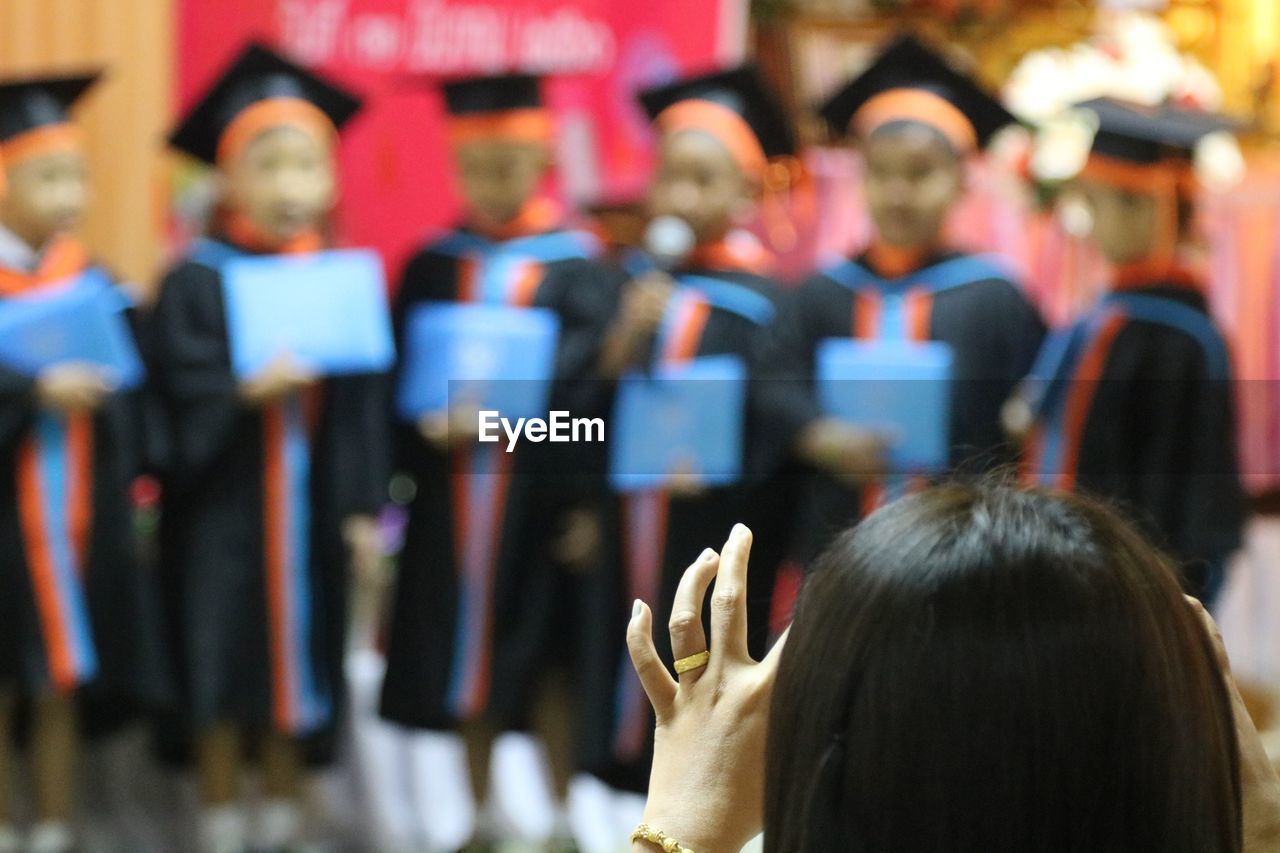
668, 241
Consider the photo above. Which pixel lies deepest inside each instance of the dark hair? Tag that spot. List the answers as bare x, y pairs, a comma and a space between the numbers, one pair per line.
901, 126
983, 668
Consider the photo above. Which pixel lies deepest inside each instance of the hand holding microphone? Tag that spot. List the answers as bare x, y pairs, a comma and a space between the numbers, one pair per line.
668, 240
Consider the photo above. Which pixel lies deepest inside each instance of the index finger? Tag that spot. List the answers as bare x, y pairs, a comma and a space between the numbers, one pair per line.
729, 601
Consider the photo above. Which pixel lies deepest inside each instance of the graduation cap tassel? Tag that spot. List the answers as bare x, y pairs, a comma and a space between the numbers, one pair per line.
787, 194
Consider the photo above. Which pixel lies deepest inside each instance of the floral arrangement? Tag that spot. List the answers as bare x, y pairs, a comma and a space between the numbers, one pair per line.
1133, 57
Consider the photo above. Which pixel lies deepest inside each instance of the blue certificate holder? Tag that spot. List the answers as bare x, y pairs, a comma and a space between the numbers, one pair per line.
901, 389
328, 310
682, 418
496, 357
81, 319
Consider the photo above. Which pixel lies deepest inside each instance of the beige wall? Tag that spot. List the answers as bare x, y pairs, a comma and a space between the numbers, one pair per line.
125, 116
1250, 38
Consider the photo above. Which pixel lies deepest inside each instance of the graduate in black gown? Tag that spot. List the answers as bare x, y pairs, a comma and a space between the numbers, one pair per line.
915, 120
273, 481
1134, 401
724, 144
480, 599
75, 613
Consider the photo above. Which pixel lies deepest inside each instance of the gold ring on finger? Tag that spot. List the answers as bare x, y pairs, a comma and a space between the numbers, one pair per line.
692, 662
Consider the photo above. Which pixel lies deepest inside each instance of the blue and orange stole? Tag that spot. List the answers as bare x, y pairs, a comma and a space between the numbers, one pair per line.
55, 503
901, 309
1065, 377
506, 272
300, 700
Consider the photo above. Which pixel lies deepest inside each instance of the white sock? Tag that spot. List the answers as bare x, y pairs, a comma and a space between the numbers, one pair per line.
520, 788
591, 815
277, 824
9, 839
381, 756
222, 829
50, 837
561, 828
440, 789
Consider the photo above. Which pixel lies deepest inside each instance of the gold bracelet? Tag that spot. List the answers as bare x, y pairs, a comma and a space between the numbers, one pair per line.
644, 832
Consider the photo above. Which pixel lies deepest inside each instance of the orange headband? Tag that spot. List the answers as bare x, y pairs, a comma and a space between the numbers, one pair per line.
1139, 177
919, 106
526, 124
42, 140
270, 113
724, 124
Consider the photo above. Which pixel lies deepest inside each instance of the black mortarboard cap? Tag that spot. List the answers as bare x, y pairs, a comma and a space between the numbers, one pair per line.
1149, 134
27, 103
742, 90
908, 63
493, 94
256, 74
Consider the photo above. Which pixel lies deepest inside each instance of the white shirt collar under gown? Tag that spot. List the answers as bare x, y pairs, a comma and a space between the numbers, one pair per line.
15, 254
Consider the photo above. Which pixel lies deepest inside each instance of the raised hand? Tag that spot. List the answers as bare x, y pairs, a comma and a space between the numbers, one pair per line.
644, 303
706, 789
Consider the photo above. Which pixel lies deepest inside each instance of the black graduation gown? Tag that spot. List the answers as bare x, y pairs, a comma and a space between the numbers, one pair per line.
1136, 406
617, 726
257, 631
77, 608
963, 301
471, 627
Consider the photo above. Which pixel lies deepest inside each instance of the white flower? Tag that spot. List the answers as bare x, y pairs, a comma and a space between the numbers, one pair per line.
1091, 75
1134, 57
1062, 145
1219, 163
1138, 32
1035, 90
1198, 87
1010, 149
1074, 214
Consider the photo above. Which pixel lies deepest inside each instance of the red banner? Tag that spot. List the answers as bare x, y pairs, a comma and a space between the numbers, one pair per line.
397, 183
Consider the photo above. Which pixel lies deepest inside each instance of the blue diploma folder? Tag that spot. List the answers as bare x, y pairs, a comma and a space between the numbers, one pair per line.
81, 319
899, 388
496, 357
683, 418
328, 310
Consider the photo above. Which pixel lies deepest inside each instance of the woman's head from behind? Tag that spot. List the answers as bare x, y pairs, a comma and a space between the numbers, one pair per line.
989, 669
